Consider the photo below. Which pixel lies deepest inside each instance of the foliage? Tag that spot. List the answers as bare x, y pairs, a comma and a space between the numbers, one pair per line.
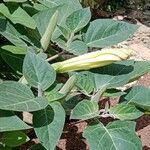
37, 35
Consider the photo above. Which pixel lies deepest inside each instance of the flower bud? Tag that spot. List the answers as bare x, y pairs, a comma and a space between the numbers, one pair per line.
92, 60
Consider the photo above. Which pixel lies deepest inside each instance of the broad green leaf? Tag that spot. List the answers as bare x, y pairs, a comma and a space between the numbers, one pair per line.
14, 49
45, 40
125, 112
78, 19
85, 82
61, 43
21, 16
113, 93
65, 8
54, 3
18, 97
54, 96
38, 72
118, 135
37, 147
114, 75
18, 16
108, 32
48, 124
16, 1
13, 56
52, 93
11, 34
66, 33
137, 71
70, 102
4, 10
120, 73
42, 55
85, 110
10, 122
39, 7
14, 138
77, 47
43, 19
139, 96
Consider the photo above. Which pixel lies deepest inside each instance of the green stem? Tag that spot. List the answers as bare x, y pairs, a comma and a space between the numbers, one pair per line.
70, 40
40, 92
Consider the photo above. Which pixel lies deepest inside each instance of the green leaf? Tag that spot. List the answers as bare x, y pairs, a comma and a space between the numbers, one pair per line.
77, 47
21, 16
43, 19
18, 16
54, 96
70, 102
11, 34
108, 32
139, 96
114, 75
45, 40
14, 138
137, 71
48, 124
64, 31
113, 93
118, 135
14, 49
16, 1
119, 73
38, 72
18, 97
85, 110
37, 147
5, 11
125, 112
85, 82
54, 3
10, 122
65, 8
78, 19
13, 56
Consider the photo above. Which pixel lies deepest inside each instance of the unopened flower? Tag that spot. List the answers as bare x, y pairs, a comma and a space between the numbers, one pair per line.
92, 60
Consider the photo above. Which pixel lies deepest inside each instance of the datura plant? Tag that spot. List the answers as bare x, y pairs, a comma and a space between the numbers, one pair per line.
56, 62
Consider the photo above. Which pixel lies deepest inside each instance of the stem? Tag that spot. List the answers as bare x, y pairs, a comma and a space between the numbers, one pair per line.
106, 116
55, 56
40, 92
70, 40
